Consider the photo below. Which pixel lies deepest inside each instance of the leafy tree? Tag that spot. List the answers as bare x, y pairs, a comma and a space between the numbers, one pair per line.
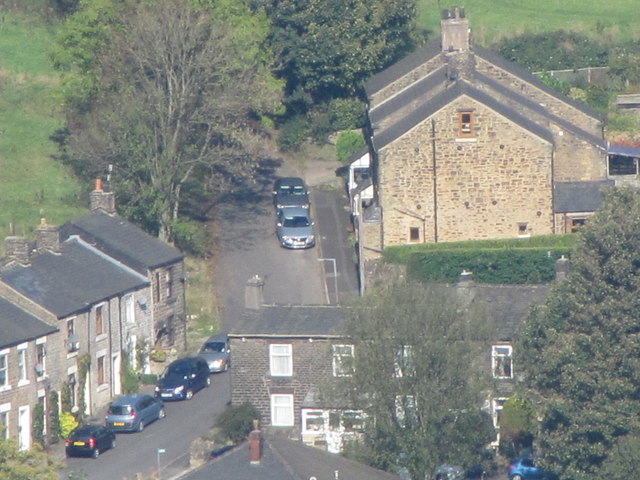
419, 372
236, 423
325, 49
174, 94
581, 350
34, 464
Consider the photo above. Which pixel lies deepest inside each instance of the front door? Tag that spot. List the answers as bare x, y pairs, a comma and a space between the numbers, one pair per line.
24, 428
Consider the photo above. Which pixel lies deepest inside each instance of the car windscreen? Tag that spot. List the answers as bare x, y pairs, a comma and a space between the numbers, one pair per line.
214, 347
120, 409
292, 190
295, 221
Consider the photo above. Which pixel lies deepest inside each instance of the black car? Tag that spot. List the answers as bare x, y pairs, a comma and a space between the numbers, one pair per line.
182, 378
290, 192
89, 441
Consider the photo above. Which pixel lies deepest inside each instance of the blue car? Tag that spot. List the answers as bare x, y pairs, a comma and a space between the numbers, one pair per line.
524, 468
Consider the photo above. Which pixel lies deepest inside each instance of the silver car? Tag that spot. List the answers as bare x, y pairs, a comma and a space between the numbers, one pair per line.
216, 352
295, 228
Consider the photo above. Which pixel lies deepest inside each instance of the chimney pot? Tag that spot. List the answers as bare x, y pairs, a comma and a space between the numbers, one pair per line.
253, 293
98, 184
255, 444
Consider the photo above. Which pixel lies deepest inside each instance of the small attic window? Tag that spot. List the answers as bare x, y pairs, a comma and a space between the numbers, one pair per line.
465, 124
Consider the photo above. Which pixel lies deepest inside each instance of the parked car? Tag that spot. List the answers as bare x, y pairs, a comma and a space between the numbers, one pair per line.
294, 228
216, 353
89, 441
449, 472
182, 378
290, 192
131, 413
524, 468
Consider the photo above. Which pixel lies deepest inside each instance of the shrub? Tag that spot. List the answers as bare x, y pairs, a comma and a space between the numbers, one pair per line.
348, 143
67, 424
293, 133
191, 237
148, 378
347, 113
236, 423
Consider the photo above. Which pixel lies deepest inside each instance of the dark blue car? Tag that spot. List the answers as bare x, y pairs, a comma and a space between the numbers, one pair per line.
182, 378
524, 468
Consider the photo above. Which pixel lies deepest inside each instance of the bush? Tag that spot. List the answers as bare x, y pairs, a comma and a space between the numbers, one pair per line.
347, 113
148, 378
236, 423
67, 423
191, 237
348, 143
293, 133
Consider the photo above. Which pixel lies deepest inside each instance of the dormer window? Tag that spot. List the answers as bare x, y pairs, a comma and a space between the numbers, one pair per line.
465, 124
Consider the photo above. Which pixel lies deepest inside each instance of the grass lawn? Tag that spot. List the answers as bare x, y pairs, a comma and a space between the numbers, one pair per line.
32, 184
491, 20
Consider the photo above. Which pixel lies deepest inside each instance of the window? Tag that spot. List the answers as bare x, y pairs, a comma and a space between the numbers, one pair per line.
168, 279
4, 421
72, 342
280, 360
99, 320
4, 369
129, 310
414, 234
313, 421
465, 124
72, 389
342, 360
577, 224
22, 365
622, 165
156, 287
497, 406
101, 370
523, 229
282, 410
41, 359
502, 361
353, 420
403, 365
406, 414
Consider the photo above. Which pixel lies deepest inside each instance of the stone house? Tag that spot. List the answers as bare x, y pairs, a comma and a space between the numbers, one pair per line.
92, 291
465, 145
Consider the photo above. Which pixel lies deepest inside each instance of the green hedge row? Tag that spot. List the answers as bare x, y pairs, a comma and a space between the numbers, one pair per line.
498, 266
400, 253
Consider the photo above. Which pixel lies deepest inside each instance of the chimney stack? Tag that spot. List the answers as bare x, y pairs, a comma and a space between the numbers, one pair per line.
455, 30
47, 237
562, 268
18, 249
465, 278
253, 295
102, 199
255, 444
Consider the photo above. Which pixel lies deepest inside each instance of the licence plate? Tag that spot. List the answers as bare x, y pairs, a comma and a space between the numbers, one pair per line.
165, 394
118, 424
79, 444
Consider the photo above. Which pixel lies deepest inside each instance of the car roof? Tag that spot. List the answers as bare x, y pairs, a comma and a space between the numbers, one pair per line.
90, 427
129, 399
218, 337
289, 181
294, 212
186, 361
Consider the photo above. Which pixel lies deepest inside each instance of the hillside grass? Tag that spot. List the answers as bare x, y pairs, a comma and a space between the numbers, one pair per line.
32, 184
491, 20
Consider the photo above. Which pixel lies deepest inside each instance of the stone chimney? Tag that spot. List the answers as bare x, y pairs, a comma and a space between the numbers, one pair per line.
455, 30
465, 278
17, 249
102, 199
47, 237
255, 444
562, 268
253, 293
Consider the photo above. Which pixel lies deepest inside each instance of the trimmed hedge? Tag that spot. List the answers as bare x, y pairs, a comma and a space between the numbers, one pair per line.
497, 266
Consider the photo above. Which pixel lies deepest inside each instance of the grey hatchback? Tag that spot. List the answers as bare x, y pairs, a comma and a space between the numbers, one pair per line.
131, 413
294, 228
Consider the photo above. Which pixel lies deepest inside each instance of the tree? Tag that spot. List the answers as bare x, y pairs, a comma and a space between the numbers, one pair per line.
419, 373
176, 90
34, 464
581, 350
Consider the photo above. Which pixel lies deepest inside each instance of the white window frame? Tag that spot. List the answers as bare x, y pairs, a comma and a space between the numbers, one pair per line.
5, 410
500, 353
342, 360
314, 414
408, 412
23, 372
129, 309
282, 410
281, 360
4, 367
41, 343
403, 364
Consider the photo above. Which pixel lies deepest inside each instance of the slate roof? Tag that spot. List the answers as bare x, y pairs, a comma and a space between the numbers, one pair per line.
623, 151
290, 320
579, 196
123, 241
285, 459
72, 280
18, 326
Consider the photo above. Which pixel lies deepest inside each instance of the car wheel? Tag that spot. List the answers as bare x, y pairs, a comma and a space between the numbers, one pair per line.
517, 477
162, 413
189, 395
208, 382
95, 453
113, 443
141, 426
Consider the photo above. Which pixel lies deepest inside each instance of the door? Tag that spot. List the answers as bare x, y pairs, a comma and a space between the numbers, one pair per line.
117, 386
24, 430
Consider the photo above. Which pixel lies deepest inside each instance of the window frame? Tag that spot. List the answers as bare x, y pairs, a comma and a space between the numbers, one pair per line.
5, 384
403, 365
275, 369
496, 355
5, 418
466, 129
41, 358
99, 316
100, 370
339, 366
22, 362
278, 410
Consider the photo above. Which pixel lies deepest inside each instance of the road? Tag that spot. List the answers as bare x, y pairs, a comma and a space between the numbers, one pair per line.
138, 452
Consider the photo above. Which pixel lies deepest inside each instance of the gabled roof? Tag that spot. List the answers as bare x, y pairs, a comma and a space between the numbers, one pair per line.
18, 326
123, 241
290, 320
579, 196
285, 459
72, 280
623, 151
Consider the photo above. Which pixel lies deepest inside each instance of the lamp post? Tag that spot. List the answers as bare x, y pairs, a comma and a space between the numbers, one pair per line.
160, 451
335, 276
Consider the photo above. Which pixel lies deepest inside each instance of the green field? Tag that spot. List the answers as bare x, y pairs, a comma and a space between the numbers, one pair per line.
32, 184
491, 20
